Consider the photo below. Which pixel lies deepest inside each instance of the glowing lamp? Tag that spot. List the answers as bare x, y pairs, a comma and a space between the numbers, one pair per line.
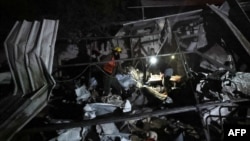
153, 60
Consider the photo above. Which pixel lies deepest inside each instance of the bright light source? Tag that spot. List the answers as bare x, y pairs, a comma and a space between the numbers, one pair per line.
153, 60
172, 57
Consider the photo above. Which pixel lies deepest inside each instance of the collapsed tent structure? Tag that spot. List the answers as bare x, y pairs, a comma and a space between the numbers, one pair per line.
208, 50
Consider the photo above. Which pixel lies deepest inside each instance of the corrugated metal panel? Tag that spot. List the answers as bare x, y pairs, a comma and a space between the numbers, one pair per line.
30, 51
28, 42
10, 40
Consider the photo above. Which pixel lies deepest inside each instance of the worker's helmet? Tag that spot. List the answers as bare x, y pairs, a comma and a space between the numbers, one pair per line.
117, 49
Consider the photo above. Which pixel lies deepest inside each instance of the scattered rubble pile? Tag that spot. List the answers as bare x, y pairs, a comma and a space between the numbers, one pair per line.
208, 87
93, 105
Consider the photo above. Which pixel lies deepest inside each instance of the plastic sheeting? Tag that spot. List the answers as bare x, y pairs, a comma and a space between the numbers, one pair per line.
126, 81
109, 131
74, 134
82, 94
98, 109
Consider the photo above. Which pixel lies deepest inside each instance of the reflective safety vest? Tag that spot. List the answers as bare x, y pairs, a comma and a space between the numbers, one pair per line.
110, 66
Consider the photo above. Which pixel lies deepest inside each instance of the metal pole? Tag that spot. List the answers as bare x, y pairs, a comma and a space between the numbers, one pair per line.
121, 60
126, 117
115, 37
142, 8
169, 16
196, 97
184, 62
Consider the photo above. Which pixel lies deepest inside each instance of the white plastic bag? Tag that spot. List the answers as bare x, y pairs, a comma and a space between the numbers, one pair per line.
82, 94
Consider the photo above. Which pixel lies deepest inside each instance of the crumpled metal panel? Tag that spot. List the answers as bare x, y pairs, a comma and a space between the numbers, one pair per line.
30, 50
27, 42
240, 37
239, 83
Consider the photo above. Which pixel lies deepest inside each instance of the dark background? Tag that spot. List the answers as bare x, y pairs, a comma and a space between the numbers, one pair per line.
99, 17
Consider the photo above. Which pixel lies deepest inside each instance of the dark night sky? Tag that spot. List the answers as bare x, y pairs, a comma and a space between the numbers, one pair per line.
78, 14
85, 15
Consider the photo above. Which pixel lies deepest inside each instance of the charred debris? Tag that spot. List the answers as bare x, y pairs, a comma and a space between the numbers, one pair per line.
56, 89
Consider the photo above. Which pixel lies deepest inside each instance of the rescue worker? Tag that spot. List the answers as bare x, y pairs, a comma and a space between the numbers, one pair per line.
111, 68
166, 71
